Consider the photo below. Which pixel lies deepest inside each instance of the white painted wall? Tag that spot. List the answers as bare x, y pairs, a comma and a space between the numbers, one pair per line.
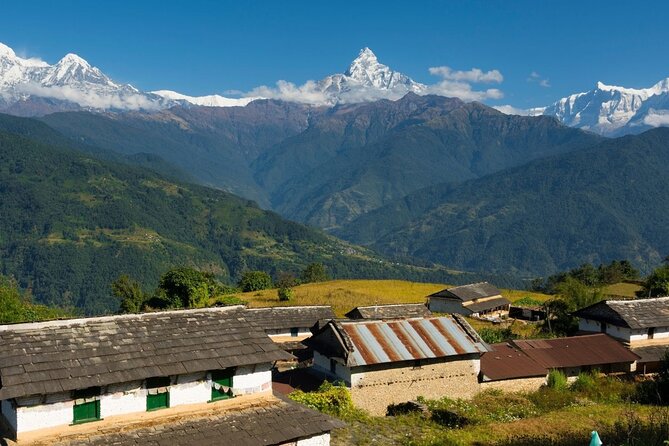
57, 409
9, 413
316, 440
190, 389
252, 379
623, 333
438, 305
302, 331
33, 414
123, 398
321, 366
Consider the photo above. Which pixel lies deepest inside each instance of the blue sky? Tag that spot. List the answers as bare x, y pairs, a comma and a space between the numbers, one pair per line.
203, 47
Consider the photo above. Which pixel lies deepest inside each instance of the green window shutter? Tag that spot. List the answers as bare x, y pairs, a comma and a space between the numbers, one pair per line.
158, 401
222, 378
85, 412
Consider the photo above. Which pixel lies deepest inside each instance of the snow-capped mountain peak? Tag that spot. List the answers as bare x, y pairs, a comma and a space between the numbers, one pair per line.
613, 110
6, 51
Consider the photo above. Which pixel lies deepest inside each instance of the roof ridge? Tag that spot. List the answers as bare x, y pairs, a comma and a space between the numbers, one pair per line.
86, 320
278, 307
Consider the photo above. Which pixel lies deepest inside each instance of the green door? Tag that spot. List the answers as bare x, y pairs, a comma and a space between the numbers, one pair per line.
158, 401
85, 412
221, 378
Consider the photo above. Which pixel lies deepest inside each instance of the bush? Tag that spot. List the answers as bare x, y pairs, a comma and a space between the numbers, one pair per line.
333, 399
285, 294
224, 301
586, 383
557, 380
547, 399
255, 281
496, 335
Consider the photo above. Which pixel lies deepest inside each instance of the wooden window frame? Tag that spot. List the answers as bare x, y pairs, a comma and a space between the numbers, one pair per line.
224, 377
159, 400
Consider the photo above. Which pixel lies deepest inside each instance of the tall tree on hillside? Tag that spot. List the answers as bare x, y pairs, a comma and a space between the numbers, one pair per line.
186, 287
657, 284
314, 272
255, 281
130, 292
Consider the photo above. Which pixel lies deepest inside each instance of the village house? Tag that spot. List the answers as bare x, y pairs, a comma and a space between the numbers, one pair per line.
476, 299
125, 374
523, 365
642, 324
387, 362
393, 311
290, 324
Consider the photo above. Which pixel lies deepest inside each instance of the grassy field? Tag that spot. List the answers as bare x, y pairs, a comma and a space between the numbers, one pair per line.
622, 289
344, 295
412, 430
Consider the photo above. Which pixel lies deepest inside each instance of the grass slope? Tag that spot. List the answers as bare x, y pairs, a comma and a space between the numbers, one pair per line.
344, 295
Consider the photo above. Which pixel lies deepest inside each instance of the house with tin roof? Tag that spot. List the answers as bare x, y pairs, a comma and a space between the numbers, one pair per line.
643, 324
523, 365
392, 361
123, 374
476, 299
393, 311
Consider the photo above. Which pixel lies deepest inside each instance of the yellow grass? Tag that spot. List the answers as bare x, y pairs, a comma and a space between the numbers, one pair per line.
344, 295
622, 289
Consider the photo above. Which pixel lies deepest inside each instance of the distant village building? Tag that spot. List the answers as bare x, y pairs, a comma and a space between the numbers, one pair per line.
387, 362
394, 311
288, 324
643, 324
523, 365
109, 370
476, 299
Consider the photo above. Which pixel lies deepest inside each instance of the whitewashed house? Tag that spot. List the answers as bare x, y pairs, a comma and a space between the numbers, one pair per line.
108, 370
476, 299
642, 324
393, 361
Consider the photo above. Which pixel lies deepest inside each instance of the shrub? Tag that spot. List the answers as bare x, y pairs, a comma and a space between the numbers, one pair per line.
285, 294
333, 399
255, 281
496, 335
557, 380
224, 301
586, 382
547, 399
528, 301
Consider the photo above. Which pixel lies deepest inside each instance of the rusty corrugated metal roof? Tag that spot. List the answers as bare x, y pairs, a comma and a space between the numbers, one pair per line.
576, 351
377, 342
507, 362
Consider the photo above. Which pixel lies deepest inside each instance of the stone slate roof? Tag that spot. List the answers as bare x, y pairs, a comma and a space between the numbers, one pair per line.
638, 313
397, 311
486, 305
278, 318
650, 353
271, 422
57, 356
469, 292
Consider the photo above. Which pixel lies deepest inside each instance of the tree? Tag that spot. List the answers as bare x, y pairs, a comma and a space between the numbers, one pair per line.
11, 306
255, 281
285, 294
578, 295
657, 284
314, 272
186, 287
130, 292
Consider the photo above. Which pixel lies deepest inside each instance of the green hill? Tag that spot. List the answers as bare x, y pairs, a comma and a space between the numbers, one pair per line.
596, 205
70, 224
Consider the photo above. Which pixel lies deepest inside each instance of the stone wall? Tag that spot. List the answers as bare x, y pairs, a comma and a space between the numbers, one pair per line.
515, 385
373, 389
316, 440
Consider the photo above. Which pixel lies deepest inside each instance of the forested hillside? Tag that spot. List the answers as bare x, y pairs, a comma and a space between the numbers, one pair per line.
608, 202
70, 224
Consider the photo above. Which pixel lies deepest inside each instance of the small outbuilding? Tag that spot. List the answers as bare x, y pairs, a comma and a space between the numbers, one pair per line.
393, 361
476, 299
507, 368
395, 311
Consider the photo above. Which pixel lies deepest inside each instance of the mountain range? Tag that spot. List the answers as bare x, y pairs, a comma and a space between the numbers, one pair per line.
373, 158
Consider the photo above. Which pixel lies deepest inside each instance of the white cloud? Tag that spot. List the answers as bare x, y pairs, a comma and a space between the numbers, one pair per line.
475, 75
511, 110
536, 77
308, 93
91, 98
655, 119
